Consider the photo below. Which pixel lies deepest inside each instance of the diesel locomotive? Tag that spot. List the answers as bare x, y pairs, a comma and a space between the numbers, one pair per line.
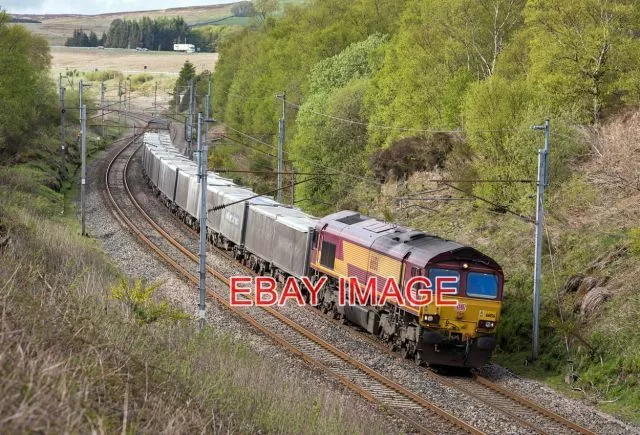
282, 241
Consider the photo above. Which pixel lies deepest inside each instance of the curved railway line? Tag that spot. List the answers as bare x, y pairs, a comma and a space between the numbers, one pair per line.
414, 410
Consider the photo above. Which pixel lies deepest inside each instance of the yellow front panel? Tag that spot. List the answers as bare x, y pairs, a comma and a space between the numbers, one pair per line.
465, 321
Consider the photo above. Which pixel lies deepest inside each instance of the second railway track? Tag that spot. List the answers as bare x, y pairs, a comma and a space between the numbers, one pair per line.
417, 412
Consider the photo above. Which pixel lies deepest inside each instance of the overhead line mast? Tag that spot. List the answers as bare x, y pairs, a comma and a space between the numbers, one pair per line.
281, 133
543, 182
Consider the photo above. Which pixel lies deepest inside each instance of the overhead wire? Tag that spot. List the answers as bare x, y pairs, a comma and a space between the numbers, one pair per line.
495, 205
446, 182
271, 192
334, 174
391, 127
249, 146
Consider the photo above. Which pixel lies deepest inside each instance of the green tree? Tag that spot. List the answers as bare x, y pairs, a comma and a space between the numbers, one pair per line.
26, 91
337, 86
187, 73
584, 52
440, 48
265, 8
243, 9
323, 145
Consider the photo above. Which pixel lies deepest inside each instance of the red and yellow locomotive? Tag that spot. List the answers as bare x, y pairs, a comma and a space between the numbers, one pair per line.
347, 244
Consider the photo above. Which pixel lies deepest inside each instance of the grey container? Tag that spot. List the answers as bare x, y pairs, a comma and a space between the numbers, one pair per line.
232, 217
167, 181
215, 197
183, 184
281, 236
160, 158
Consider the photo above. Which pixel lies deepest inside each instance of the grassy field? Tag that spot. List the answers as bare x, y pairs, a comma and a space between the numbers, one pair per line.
127, 61
57, 28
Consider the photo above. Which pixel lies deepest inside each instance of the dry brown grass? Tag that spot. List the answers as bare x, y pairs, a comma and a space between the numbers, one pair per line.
605, 189
74, 360
616, 146
128, 61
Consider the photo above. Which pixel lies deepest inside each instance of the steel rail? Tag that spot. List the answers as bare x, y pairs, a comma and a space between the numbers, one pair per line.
531, 405
469, 390
370, 396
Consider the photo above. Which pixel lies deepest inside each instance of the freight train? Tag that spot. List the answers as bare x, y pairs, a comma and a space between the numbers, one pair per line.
282, 241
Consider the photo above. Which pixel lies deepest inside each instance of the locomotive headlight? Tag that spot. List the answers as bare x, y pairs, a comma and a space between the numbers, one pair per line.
486, 324
431, 318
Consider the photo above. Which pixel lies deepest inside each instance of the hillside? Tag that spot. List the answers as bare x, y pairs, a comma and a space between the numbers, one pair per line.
591, 256
420, 112
57, 28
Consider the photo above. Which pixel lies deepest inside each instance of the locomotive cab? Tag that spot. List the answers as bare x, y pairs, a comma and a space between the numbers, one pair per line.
462, 333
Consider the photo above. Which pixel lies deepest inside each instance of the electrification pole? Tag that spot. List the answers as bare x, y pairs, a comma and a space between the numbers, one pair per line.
543, 180
155, 100
190, 125
83, 132
202, 167
80, 86
83, 129
63, 139
283, 97
293, 186
206, 115
102, 89
130, 89
119, 104
126, 115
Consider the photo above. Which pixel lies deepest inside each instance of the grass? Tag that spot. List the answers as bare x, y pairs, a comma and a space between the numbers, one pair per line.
592, 230
233, 21
127, 61
85, 349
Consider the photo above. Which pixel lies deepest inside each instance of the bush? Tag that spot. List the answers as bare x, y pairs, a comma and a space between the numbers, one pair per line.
99, 76
412, 154
141, 78
137, 297
575, 195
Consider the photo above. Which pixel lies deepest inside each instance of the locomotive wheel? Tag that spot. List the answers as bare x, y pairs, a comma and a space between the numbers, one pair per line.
334, 313
404, 352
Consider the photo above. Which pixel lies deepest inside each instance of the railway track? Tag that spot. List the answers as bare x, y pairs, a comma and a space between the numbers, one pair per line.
413, 409
524, 412
416, 412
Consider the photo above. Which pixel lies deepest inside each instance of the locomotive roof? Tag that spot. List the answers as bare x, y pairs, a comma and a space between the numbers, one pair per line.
399, 241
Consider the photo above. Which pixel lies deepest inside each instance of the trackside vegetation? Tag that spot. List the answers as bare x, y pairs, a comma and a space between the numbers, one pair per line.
84, 348
385, 96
